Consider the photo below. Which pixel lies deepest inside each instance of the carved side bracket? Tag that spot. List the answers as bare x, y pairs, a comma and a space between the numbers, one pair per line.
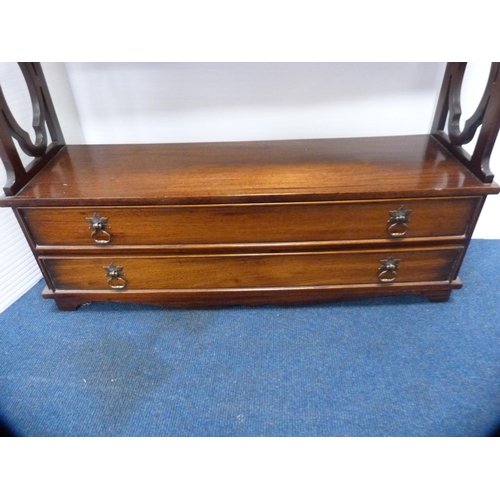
45, 147
486, 116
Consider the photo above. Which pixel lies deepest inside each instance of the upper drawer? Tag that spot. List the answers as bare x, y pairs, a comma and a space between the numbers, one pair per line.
251, 223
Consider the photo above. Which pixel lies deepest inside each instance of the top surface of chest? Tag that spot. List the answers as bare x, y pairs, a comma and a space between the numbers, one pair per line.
297, 170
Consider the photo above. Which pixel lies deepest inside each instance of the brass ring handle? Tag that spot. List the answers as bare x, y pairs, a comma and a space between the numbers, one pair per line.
101, 241
99, 225
388, 270
391, 228
398, 219
115, 274
118, 281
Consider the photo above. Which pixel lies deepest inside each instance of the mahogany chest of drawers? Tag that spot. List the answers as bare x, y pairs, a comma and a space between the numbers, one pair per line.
282, 222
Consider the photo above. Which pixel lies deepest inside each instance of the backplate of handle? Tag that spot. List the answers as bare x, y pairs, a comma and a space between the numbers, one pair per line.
398, 222
99, 225
388, 271
115, 273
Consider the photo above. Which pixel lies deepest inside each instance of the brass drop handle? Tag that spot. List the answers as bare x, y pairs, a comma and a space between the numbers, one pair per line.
115, 273
388, 270
398, 222
99, 225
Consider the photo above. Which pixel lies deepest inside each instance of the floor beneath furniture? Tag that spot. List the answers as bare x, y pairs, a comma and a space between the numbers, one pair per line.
378, 367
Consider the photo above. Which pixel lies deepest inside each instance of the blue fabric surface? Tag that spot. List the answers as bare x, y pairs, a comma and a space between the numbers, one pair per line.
398, 366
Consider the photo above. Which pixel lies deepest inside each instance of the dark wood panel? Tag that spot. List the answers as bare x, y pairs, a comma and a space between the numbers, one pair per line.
301, 170
259, 223
253, 271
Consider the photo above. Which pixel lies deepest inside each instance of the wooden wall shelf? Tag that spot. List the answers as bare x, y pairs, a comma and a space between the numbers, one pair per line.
268, 222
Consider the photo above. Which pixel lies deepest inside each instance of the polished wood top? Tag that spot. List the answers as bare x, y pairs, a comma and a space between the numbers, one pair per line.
292, 170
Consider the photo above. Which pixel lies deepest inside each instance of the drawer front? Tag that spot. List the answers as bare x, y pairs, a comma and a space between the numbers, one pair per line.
253, 223
253, 271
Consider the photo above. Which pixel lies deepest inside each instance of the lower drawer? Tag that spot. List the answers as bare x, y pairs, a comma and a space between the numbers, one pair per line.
253, 271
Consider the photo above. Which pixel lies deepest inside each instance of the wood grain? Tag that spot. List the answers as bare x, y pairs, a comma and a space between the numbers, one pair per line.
240, 172
253, 270
255, 223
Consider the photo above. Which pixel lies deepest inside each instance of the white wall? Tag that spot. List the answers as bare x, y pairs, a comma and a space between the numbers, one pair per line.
185, 102
62, 95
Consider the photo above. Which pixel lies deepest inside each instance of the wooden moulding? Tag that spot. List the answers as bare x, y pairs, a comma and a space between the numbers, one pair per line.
70, 300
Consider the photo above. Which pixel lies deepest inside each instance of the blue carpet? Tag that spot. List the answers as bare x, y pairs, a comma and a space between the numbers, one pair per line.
377, 367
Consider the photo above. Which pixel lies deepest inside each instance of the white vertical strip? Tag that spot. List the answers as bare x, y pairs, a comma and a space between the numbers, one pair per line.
18, 268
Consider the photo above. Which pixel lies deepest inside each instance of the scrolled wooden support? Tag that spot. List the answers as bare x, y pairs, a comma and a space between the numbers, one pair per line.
45, 147
486, 116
